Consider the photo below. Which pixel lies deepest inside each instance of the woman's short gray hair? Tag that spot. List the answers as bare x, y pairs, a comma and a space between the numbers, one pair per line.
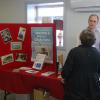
87, 38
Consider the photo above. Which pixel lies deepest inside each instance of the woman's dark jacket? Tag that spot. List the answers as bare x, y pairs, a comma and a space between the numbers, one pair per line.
79, 72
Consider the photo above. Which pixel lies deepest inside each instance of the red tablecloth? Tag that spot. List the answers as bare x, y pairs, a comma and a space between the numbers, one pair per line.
24, 83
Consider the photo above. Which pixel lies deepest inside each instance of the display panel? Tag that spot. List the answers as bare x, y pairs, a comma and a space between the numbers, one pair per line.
42, 42
15, 49
15, 39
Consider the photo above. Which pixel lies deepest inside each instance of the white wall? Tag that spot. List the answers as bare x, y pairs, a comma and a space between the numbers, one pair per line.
12, 11
15, 10
74, 23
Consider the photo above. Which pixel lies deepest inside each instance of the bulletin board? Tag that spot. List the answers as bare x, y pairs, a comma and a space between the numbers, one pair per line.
19, 42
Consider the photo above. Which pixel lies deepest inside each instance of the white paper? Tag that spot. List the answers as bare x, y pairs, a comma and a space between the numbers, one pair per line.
47, 73
32, 71
38, 64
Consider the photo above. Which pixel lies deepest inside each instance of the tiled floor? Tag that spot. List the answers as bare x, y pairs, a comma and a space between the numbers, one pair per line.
12, 96
9, 97
20, 96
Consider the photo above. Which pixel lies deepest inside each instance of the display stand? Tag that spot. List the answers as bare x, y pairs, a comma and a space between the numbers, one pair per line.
17, 39
19, 44
44, 41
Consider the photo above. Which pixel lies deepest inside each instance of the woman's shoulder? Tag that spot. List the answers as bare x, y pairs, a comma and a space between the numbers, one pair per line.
84, 48
74, 49
93, 49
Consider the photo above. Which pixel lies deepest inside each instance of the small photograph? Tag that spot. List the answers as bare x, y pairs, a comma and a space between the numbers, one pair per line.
59, 24
16, 45
6, 35
21, 33
7, 59
45, 50
42, 50
38, 65
21, 57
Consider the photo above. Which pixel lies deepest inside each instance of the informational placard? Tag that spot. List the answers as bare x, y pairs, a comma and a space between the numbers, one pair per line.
42, 42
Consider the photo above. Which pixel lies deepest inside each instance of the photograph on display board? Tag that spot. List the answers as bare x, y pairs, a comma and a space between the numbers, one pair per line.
5, 34
21, 57
42, 42
7, 59
59, 24
44, 50
21, 33
16, 45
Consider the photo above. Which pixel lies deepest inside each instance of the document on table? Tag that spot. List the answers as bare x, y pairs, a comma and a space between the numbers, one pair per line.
32, 71
48, 73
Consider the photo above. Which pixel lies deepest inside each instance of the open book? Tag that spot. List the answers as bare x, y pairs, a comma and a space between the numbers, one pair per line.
38, 63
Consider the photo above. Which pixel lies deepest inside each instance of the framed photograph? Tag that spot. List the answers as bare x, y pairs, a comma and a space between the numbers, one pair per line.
5, 34
7, 59
21, 57
21, 33
16, 45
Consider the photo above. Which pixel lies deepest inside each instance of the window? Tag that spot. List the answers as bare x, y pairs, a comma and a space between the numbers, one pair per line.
36, 13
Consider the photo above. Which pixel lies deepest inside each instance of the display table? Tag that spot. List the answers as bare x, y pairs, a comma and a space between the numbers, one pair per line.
23, 83
20, 43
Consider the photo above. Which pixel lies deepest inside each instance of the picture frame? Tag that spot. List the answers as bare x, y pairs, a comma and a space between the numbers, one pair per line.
16, 45
59, 24
6, 35
21, 33
7, 59
21, 57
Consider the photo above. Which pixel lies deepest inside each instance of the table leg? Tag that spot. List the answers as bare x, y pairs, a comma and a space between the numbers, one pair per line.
5, 94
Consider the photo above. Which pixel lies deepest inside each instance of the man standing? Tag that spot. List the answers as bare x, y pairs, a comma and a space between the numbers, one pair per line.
92, 23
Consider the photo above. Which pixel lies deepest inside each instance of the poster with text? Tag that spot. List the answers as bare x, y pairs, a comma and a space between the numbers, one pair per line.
42, 42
